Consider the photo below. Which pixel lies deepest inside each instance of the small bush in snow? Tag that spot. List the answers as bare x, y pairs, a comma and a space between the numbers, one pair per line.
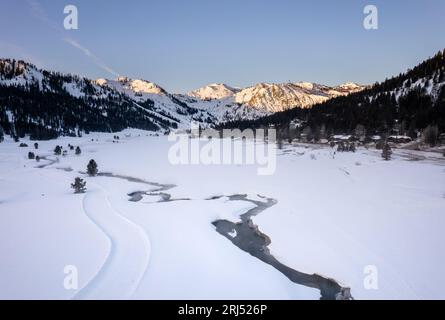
31, 155
36, 145
37, 158
386, 152
79, 185
23, 145
58, 150
78, 151
352, 147
92, 168
379, 145
430, 135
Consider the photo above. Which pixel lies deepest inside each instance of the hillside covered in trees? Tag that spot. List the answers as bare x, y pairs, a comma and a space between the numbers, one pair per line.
411, 101
47, 104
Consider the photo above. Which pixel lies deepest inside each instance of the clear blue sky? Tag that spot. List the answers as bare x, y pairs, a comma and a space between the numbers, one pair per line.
184, 44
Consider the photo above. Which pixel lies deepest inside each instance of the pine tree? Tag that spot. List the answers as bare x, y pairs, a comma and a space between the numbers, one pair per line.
386, 152
79, 185
352, 148
92, 168
57, 150
78, 151
36, 145
31, 155
37, 158
430, 135
341, 147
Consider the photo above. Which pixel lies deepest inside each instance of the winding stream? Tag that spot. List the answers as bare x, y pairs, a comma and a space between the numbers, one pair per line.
245, 234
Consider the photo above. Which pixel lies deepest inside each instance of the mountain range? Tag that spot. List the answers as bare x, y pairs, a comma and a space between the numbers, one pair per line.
270, 97
407, 104
46, 104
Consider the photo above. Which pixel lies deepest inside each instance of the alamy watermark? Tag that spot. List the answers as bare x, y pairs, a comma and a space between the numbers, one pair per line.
371, 279
71, 279
371, 20
225, 147
71, 21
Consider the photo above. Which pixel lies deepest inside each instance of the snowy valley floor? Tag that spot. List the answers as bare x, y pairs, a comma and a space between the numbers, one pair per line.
334, 216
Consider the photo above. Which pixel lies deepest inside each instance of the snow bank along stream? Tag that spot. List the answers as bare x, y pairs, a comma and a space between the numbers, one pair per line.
246, 236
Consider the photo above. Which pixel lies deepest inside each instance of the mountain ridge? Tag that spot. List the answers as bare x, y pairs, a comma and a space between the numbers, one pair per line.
407, 104
271, 97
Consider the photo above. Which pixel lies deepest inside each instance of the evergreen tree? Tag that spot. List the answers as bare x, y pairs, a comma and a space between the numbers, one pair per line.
92, 168
31, 155
36, 145
430, 135
79, 185
352, 148
57, 150
341, 147
78, 151
37, 158
386, 152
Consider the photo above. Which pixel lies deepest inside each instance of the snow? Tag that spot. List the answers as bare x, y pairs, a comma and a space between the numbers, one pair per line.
341, 137
332, 217
279, 97
267, 97
400, 137
215, 103
213, 91
73, 89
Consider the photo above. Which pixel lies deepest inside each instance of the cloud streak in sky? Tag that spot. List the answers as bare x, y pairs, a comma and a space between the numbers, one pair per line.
39, 13
96, 60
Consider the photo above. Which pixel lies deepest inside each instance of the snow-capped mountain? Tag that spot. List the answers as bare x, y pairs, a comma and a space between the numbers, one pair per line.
214, 91
69, 103
46, 104
132, 87
349, 87
268, 98
212, 104
225, 109
156, 100
406, 104
279, 97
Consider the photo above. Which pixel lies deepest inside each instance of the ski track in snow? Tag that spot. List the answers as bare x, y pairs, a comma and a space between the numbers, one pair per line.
129, 250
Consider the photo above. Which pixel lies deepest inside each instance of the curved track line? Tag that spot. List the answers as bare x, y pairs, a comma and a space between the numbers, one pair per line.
129, 254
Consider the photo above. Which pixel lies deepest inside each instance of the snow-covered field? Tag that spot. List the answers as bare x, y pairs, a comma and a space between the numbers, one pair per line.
335, 215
